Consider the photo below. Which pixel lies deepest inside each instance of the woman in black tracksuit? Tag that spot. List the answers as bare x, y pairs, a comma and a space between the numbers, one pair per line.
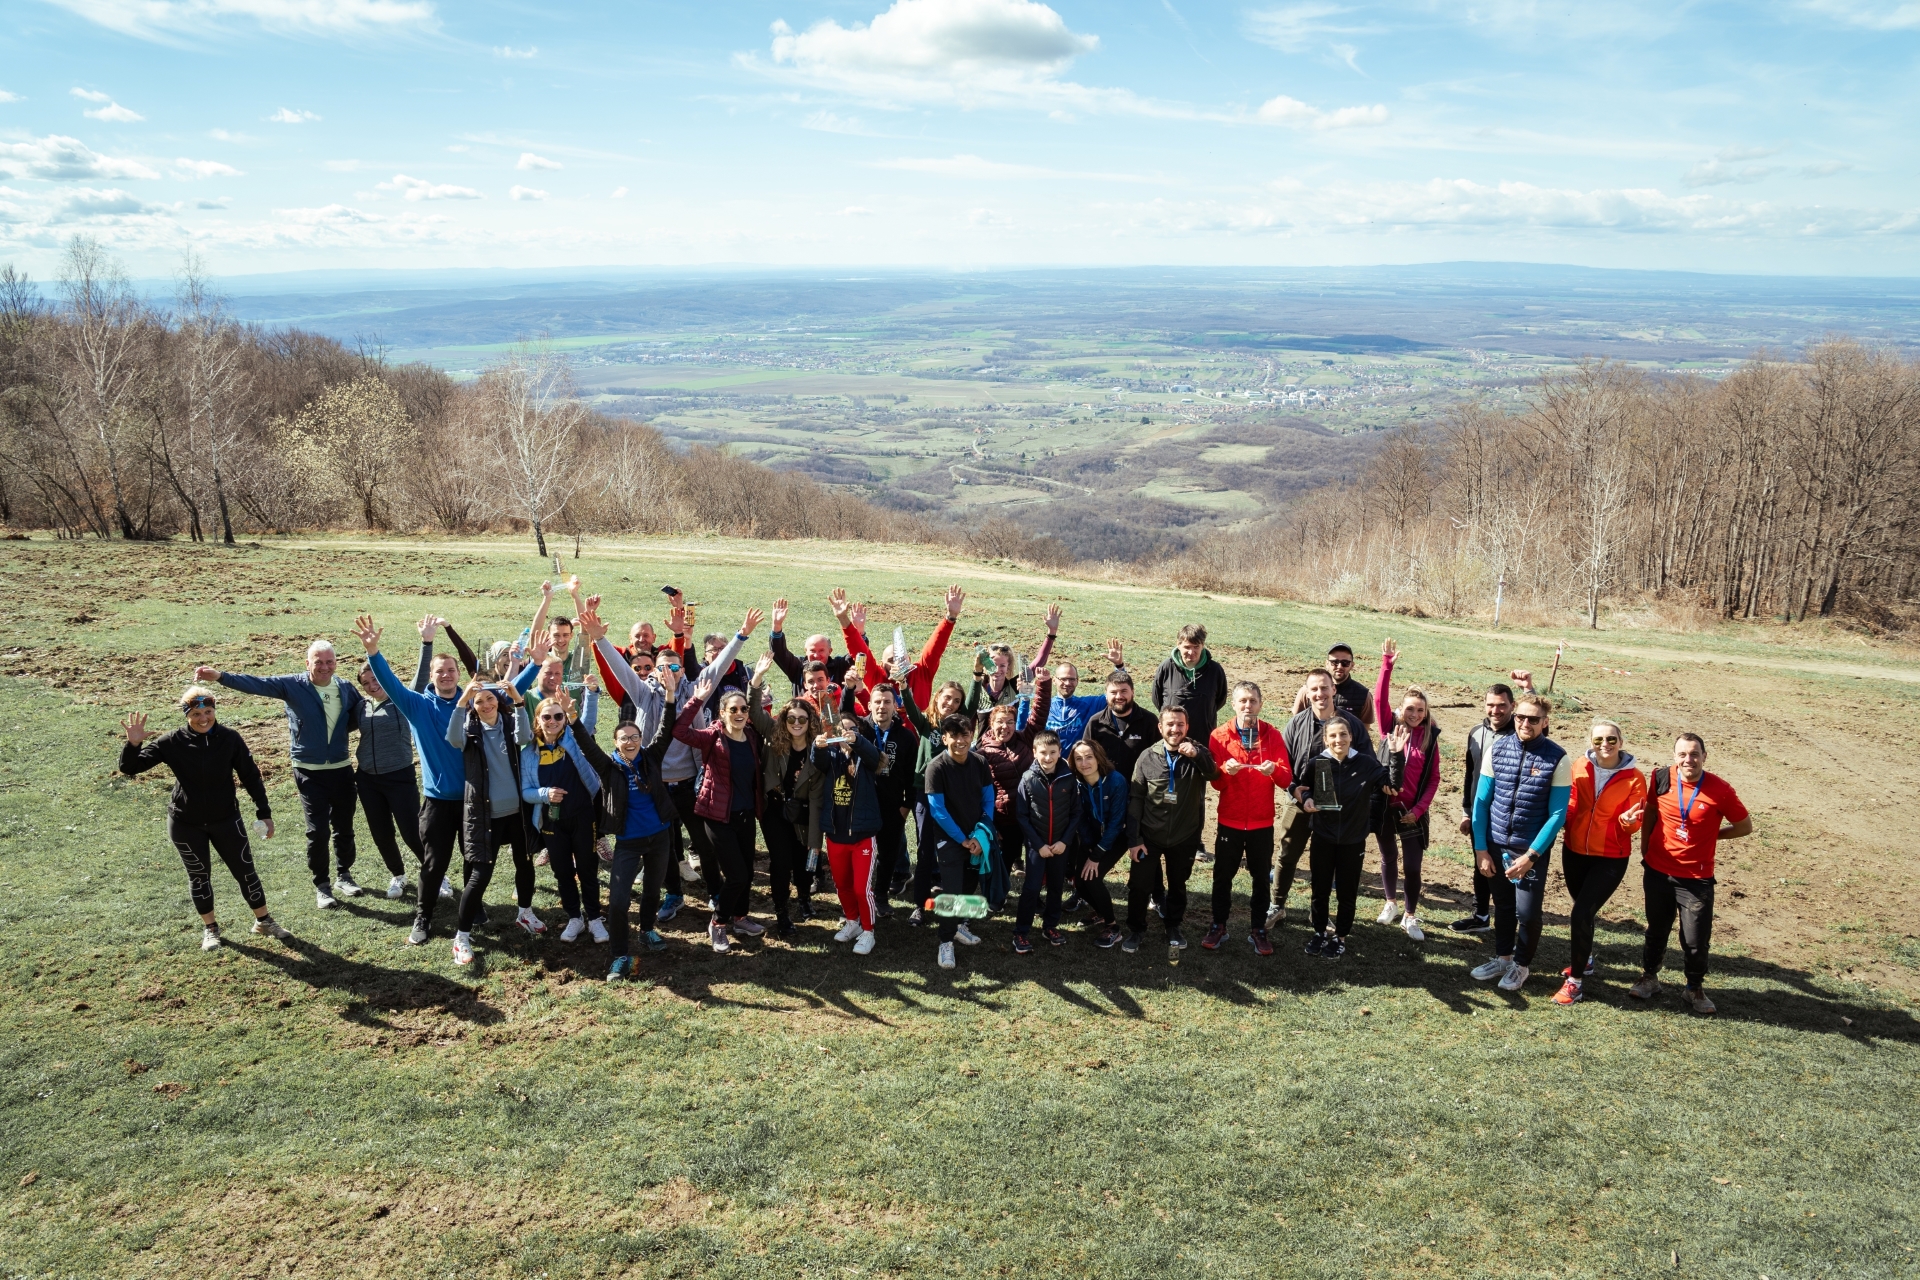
488, 728
1104, 795
1339, 836
202, 813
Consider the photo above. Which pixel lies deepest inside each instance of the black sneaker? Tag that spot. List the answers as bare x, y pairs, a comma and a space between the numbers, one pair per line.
1316, 944
1176, 940
1054, 937
783, 928
803, 909
1333, 948
1109, 934
1074, 906
1471, 924
1022, 945
1130, 943
881, 911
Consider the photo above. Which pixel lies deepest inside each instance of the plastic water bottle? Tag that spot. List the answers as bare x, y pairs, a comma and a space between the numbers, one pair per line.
900, 647
964, 906
259, 829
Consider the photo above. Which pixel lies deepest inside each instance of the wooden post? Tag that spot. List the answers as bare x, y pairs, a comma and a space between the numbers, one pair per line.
1555, 674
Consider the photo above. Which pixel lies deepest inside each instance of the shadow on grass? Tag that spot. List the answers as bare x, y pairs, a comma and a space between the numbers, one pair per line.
376, 988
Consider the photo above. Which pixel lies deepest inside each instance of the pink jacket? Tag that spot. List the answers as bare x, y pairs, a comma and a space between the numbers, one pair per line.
1417, 776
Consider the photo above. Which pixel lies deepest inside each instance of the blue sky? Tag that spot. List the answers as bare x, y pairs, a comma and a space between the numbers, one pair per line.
273, 135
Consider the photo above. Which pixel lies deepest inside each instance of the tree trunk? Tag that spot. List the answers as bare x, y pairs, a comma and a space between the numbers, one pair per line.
1593, 608
226, 517
540, 539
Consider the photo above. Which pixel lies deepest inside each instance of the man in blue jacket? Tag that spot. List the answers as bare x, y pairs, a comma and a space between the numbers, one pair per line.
1519, 808
321, 713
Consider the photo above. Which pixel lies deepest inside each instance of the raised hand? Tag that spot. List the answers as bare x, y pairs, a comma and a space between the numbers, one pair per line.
135, 726
753, 619
1388, 648
546, 590
703, 687
779, 615
1053, 619
204, 674
900, 673
677, 616
837, 601
592, 680
761, 667
1522, 678
590, 624
857, 617
472, 691
1397, 740
1116, 653
368, 633
956, 601
429, 628
542, 645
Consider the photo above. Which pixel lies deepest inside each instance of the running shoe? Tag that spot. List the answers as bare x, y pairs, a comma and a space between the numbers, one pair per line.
532, 923
966, 936
1262, 945
1388, 913
1646, 989
1494, 968
417, 936
1074, 906
622, 967
1593, 960
1316, 944
597, 930
669, 908
1022, 945
863, 945
1334, 948
881, 911
803, 909
1697, 1000
347, 886
915, 918
717, 935
1515, 979
396, 887
1569, 992
1411, 927
783, 928
1108, 935
848, 931
1215, 936
1054, 937
322, 900
1131, 943
462, 948
1276, 914
946, 955
747, 927
268, 927
210, 938
575, 927
446, 890
1176, 940
541, 859
1471, 924
654, 941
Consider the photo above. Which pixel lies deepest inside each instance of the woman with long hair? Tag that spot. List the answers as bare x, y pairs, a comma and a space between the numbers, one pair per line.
562, 782
731, 796
489, 734
1103, 838
790, 813
1402, 833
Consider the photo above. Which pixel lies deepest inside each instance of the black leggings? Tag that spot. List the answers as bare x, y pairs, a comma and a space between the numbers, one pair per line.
786, 858
1591, 880
1410, 841
391, 801
730, 869
229, 840
1095, 891
507, 831
575, 865
1335, 867
684, 794
1230, 844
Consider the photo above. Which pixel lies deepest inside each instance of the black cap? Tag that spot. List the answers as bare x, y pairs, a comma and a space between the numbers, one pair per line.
1342, 647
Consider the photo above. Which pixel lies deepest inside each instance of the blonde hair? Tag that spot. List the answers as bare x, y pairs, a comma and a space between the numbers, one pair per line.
543, 704
1535, 700
1608, 724
193, 691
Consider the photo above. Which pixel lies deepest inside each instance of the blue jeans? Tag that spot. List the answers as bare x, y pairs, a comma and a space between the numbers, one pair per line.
1516, 907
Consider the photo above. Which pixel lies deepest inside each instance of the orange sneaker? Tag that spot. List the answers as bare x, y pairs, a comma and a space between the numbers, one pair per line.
1569, 992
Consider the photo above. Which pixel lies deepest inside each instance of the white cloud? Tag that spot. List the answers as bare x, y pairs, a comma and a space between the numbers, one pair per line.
330, 215
988, 218
526, 193
828, 122
421, 189
89, 202
619, 193
1292, 111
1296, 28
184, 168
508, 51
60, 158
10, 97
1902, 15
91, 95
287, 115
1718, 172
170, 19
114, 113
228, 135
528, 160
1825, 169
976, 168
215, 202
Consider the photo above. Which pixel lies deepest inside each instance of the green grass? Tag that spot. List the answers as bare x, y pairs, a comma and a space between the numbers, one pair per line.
344, 1105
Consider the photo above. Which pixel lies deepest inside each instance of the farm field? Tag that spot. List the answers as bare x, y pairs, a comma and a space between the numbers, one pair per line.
340, 1104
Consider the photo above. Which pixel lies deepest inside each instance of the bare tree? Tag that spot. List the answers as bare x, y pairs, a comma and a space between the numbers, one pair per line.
530, 403
365, 430
103, 318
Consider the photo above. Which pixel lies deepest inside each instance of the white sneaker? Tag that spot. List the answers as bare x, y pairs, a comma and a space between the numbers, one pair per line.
463, 948
1389, 913
849, 930
348, 887
597, 930
210, 938
1275, 915
966, 936
446, 890
323, 900
1515, 979
396, 887
1413, 929
532, 923
1494, 968
575, 927
717, 935
864, 946
946, 955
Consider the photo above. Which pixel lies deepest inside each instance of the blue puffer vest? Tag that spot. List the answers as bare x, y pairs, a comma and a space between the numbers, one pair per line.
1522, 787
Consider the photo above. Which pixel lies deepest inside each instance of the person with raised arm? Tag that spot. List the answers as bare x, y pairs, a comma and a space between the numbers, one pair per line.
206, 758
1403, 830
1104, 797
1069, 712
560, 780
818, 647
574, 662
896, 782
790, 816
920, 676
1604, 809
960, 819
321, 712
1002, 684
635, 813
443, 772
1305, 737
848, 760
1166, 812
1519, 807
384, 778
1689, 812
948, 699
1348, 694
1350, 781
488, 726
1192, 681
730, 797
1253, 770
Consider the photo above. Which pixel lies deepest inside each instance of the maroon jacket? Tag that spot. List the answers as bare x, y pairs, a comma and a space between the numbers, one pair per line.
715, 799
1008, 760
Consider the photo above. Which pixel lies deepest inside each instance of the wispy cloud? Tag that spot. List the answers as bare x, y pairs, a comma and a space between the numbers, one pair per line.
1296, 28
228, 135
110, 111
184, 168
58, 158
1726, 166
421, 189
828, 122
619, 193
1292, 111
288, 115
528, 160
89, 202
976, 168
508, 51
1825, 169
526, 193
1903, 15
169, 20
11, 97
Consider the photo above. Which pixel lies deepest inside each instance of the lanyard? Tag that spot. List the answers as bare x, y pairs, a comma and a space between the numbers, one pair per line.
1686, 805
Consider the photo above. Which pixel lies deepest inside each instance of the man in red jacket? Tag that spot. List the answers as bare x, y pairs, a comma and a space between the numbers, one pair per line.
1253, 773
925, 667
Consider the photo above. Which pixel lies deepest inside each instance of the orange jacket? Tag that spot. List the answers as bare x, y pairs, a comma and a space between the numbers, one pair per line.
1247, 798
1597, 827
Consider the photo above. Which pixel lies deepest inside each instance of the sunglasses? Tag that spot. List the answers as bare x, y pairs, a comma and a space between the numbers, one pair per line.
1601, 742
1339, 662
554, 717
196, 704
1531, 719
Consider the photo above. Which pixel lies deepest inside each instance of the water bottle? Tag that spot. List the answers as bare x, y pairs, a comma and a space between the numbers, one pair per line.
964, 906
900, 647
259, 829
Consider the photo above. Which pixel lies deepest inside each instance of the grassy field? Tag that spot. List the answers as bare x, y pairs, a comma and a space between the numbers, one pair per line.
343, 1105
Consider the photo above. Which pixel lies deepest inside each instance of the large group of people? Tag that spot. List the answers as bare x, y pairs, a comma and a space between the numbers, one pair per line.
1021, 795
